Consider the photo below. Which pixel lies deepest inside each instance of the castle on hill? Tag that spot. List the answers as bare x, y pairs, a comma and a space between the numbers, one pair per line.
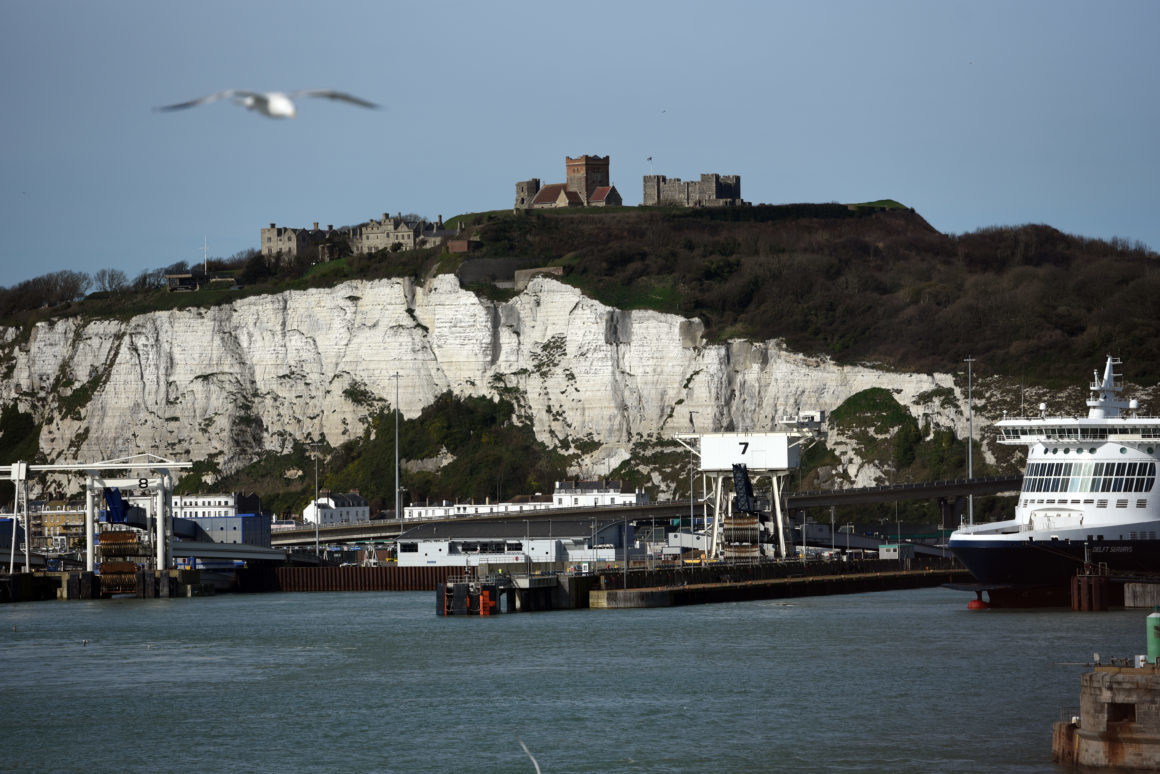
586, 185
712, 190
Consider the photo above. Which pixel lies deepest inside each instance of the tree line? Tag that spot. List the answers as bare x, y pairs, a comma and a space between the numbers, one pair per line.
65, 287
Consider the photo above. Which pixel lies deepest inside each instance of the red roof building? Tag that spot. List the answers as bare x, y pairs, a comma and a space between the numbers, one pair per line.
587, 186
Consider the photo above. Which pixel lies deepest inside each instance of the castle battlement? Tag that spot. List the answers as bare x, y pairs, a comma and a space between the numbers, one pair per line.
712, 190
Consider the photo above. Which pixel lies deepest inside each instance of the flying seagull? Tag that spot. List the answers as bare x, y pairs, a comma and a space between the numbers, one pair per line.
274, 104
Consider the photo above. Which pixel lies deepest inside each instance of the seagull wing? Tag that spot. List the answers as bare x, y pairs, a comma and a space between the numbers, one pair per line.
227, 94
331, 94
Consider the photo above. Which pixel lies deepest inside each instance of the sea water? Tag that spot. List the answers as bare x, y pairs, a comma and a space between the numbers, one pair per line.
906, 681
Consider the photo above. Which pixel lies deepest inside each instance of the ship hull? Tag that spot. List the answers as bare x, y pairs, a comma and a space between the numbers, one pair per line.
1052, 562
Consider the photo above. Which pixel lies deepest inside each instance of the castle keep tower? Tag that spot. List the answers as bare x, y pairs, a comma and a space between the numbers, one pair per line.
586, 174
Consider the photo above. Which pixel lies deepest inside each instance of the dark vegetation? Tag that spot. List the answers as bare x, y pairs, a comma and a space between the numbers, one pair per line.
865, 283
493, 457
19, 441
888, 435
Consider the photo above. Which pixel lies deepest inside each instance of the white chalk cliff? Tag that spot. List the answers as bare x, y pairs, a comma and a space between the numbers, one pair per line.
234, 381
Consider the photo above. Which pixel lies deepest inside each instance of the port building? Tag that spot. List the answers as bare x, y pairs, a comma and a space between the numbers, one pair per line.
331, 509
567, 494
472, 542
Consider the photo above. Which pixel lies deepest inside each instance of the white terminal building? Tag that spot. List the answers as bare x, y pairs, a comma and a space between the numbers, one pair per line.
331, 509
535, 543
568, 494
211, 504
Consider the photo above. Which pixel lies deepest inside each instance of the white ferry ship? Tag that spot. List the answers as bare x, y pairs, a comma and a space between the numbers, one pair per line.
1088, 496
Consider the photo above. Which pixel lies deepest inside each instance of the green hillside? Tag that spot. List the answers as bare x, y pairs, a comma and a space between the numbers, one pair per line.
864, 283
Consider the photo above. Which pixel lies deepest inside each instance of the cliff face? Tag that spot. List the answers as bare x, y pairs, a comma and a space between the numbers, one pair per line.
234, 381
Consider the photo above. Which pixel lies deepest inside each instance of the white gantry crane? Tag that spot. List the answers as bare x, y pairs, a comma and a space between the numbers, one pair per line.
772, 455
150, 478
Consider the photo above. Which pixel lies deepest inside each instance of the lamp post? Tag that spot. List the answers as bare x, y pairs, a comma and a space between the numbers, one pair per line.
625, 541
803, 537
395, 376
831, 531
317, 516
692, 518
691, 522
970, 441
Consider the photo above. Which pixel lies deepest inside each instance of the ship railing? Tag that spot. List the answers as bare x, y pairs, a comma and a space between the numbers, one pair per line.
989, 526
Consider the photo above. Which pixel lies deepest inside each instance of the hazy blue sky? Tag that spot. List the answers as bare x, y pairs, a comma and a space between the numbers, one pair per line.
974, 113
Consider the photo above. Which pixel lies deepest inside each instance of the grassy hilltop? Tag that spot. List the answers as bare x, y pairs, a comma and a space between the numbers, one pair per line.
872, 283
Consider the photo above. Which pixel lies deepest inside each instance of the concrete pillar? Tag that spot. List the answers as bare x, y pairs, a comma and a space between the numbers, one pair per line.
164, 514
90, 523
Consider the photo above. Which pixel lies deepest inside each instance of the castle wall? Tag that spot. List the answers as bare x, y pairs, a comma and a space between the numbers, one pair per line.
712, 190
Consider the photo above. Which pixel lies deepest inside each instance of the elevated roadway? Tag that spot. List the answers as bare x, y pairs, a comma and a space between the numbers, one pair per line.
934, 490
389, 529
950, 495
224, 551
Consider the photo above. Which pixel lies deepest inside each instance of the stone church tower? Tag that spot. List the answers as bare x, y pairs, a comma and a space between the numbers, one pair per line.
586, 174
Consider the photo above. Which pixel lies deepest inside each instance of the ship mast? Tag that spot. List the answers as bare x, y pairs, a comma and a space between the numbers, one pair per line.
1105, 402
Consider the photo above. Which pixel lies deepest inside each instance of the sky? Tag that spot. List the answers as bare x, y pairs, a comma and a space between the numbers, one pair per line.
975, 114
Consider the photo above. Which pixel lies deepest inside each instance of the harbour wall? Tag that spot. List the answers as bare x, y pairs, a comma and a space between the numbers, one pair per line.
773, 588
391, 578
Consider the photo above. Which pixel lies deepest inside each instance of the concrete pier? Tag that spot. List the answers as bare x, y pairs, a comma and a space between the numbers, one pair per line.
1118, 728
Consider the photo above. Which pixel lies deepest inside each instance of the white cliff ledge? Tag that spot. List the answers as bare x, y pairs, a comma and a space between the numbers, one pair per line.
232, 382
